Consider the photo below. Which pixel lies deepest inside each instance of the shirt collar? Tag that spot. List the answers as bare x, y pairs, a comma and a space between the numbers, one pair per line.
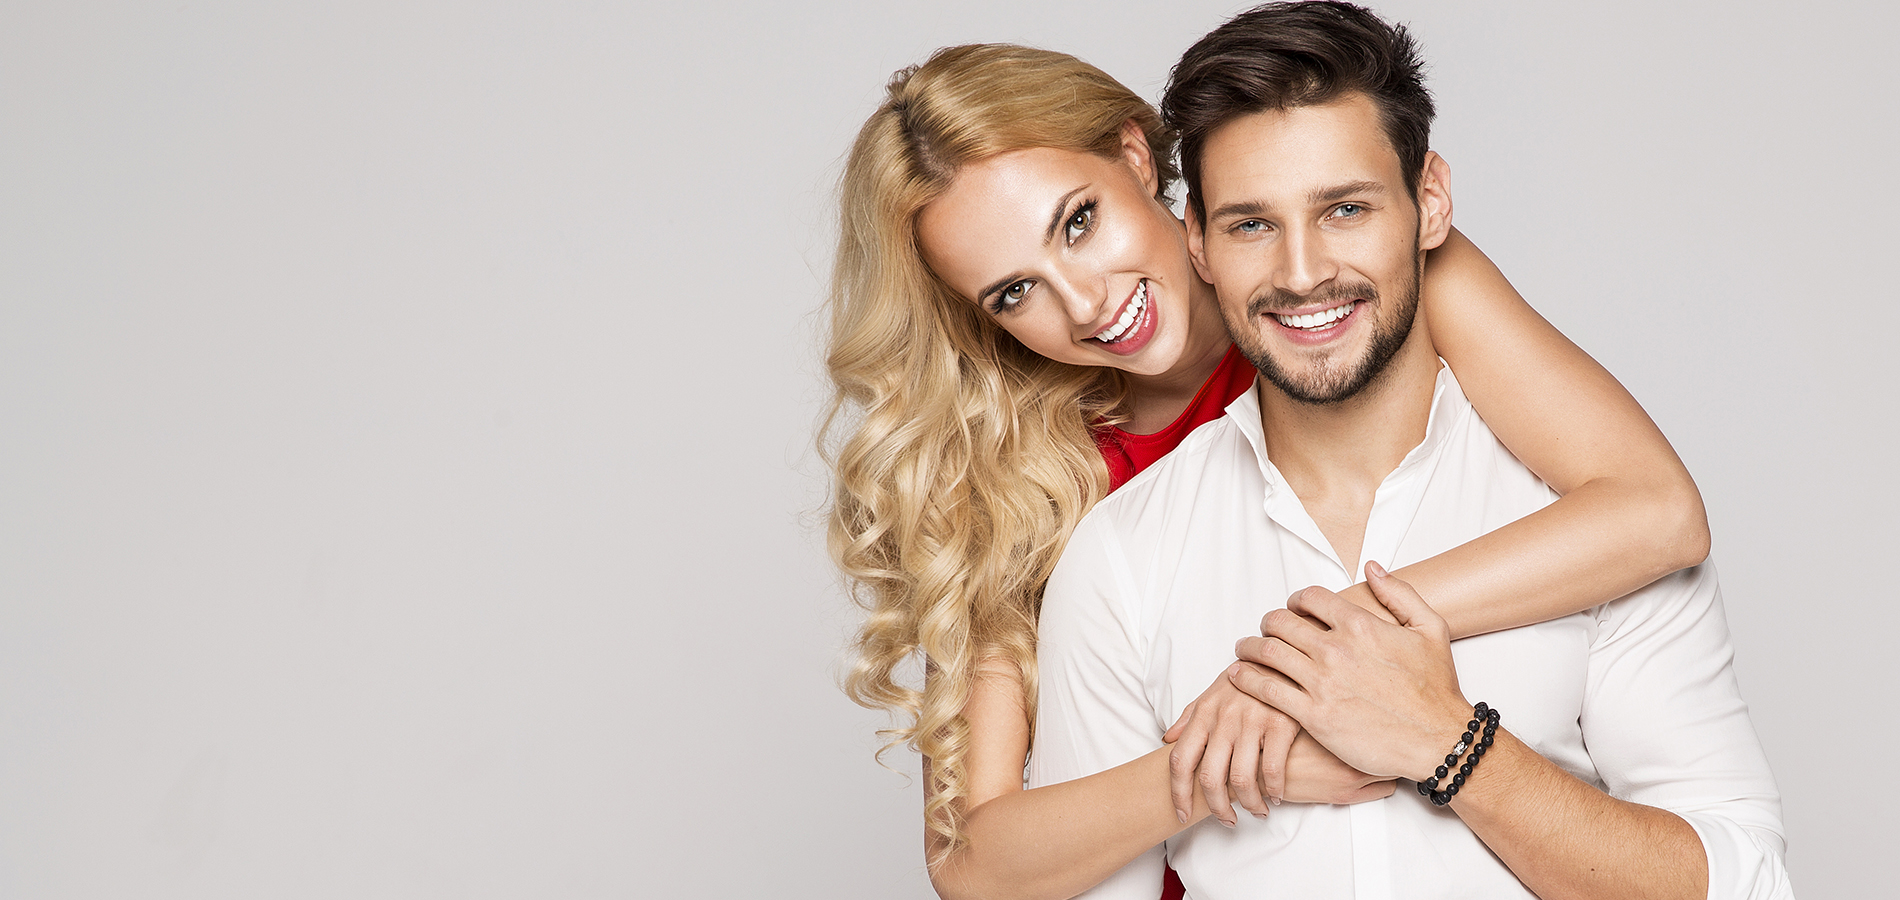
1449, 407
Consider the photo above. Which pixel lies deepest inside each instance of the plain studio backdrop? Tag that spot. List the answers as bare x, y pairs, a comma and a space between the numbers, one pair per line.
405, 415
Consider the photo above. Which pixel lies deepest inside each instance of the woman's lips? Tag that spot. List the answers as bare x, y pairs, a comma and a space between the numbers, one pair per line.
1134, 327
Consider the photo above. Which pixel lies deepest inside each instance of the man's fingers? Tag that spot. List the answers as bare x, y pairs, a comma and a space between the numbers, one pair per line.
1329, 608
1289, 626
1269, 686
1277, 654
1406, 605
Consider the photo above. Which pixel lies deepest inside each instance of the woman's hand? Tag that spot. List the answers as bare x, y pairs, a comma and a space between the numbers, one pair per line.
1238, 749
1315, 775
1226, 740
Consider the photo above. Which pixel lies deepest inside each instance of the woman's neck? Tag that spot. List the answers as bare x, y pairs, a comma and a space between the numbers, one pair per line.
1157, 400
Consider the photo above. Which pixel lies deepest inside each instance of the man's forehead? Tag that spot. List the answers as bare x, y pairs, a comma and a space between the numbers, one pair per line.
1283, 156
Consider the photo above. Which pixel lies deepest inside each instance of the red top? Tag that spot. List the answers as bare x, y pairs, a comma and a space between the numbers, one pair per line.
1127, 454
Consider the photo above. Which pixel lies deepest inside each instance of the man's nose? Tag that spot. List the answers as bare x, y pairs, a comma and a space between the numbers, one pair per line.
1305, 262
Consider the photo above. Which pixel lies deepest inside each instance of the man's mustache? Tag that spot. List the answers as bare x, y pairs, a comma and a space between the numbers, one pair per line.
1280, 299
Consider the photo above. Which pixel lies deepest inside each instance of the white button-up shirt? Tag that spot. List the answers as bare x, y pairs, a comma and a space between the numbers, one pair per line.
1636, 696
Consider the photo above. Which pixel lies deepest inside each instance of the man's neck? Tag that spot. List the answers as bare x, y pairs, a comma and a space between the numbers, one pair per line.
1335, 455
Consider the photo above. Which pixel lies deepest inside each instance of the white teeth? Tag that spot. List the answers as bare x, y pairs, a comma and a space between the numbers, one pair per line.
1117, 329
1318, 319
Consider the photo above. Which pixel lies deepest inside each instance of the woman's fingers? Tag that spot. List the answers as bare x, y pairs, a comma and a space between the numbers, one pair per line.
1276, 744
1378, 790
1184, 760
1180, 725
1212, 778
1243, 770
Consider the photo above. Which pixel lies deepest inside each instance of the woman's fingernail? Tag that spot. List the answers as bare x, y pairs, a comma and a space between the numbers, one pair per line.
1275, 801
1181, 815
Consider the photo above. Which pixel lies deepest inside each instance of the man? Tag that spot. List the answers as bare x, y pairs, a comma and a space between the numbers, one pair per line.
1624, 764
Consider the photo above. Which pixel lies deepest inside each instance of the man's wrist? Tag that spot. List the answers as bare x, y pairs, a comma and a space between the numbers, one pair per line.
1462, 762
1456, 716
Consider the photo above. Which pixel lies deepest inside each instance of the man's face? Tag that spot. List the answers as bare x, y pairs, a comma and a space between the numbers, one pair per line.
1314, 244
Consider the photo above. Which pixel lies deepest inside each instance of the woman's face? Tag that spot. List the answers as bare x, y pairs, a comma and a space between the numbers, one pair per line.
1070, 253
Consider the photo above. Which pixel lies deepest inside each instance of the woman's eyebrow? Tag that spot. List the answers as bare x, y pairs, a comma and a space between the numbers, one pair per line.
998, 285
1055, 221
1049, 234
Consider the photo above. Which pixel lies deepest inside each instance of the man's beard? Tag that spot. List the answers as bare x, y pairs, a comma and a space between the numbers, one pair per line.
1334, 380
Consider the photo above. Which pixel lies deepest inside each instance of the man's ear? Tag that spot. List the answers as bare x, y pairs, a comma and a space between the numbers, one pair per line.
1139, 156
1197, 244
1434, 201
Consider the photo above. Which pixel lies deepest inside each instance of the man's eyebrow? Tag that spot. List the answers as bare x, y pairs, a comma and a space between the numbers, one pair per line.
1055, 220
1317, 197
1340, 192
1239, 208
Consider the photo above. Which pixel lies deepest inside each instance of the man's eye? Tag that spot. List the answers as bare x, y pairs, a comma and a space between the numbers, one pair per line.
1250, 226
1348, 210
1079, 222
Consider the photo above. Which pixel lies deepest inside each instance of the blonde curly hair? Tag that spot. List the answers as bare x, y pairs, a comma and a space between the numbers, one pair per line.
961, 459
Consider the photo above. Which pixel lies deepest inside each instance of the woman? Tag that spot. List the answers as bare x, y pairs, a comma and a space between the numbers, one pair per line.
1016, 330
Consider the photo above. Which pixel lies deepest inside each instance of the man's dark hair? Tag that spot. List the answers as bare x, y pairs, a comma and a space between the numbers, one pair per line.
1288, 55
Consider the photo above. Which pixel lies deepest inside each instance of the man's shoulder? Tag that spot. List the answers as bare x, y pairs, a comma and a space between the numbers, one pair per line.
1205, 452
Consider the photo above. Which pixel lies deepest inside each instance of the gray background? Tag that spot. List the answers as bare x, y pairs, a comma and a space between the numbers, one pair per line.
405, 484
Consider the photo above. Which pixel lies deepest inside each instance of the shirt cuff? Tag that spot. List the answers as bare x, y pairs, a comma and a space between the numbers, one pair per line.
1745, 863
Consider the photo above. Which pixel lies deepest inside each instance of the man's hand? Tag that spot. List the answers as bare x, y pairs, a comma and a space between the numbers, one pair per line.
1382, 697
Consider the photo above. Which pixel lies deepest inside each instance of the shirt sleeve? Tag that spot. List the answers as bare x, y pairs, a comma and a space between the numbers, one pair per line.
1092, 712
1666, 727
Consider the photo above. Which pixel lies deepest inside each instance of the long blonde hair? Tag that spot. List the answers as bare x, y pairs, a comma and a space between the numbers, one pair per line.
968, 458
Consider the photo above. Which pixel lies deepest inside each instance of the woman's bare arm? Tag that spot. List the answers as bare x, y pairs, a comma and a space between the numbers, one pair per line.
1053, 842
1629, 513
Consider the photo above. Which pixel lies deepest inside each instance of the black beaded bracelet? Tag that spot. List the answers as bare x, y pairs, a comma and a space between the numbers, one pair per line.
1482, 714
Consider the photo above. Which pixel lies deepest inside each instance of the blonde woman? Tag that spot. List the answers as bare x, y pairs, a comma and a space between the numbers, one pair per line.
1015, 331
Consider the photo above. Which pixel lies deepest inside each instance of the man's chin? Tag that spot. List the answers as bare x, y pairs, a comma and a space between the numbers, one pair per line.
1312, 384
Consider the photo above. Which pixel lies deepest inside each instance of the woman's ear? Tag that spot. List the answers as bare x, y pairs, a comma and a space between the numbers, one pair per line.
1434, 201
1139, 156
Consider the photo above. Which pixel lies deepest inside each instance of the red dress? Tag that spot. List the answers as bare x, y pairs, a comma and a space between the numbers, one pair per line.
1127, 454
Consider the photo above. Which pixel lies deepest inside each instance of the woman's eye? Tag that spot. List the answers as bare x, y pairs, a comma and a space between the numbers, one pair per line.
1079, 222
1007, 298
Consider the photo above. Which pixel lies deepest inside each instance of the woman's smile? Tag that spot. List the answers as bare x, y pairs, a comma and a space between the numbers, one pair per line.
1133, 328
